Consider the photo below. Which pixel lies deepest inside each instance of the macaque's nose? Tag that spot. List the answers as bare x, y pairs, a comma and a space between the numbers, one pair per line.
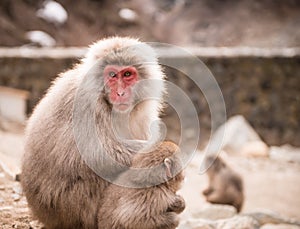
120, 88
122, 93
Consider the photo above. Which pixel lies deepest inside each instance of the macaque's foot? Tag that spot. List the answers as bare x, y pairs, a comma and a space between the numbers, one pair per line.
177, 206
207, 191
169, 220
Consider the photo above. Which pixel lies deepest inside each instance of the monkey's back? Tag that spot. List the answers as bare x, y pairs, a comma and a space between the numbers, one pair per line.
232, 184
53, 174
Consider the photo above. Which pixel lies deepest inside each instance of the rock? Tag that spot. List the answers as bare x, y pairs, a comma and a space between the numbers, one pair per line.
36, 225
279, 226
5, 208
252, 220
16, 197
11, 153
285, 153
197, 224
16, 100
215, 212
234, 135
238, 222
17, 189
255, 149
269, 217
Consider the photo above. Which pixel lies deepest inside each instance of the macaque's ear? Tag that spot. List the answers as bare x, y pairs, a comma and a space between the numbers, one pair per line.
168, 164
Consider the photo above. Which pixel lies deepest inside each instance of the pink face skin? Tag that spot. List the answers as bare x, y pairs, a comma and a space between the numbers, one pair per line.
120, 80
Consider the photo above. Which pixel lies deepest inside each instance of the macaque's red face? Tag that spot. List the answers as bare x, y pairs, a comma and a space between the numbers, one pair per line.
120, 81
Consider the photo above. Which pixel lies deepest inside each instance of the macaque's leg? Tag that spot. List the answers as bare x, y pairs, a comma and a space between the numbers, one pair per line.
168, 220
215, 197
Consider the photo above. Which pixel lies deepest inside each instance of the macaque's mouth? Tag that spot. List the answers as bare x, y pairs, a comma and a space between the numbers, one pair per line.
121, 106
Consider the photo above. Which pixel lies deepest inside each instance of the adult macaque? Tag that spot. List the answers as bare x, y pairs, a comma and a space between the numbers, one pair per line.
82, 131
149, 207
225, 185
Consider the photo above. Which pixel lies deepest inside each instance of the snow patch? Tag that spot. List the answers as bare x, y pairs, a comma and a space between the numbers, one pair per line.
40, 38
128, 14
53, 12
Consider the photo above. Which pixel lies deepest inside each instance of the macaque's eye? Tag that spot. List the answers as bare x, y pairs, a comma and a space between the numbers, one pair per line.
112, 74
127, 74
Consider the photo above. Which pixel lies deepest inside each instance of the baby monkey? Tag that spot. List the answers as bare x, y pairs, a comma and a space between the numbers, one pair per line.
151, 207
225, 185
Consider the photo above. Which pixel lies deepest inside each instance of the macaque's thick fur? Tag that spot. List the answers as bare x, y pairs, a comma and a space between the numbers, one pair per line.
150, 207
61, 190
225, 185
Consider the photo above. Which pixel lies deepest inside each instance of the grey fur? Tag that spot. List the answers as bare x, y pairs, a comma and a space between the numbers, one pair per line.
61, 189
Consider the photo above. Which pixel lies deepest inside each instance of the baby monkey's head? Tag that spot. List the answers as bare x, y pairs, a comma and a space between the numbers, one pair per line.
164, 158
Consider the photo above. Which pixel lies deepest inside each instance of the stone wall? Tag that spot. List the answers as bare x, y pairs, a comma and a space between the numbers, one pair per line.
264, 90
34, 75
262, 86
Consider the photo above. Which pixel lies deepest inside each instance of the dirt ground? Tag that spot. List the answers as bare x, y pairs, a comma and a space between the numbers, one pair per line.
269, 185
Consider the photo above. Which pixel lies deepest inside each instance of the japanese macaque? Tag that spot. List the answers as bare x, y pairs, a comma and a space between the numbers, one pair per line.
80, 137
150, 207
225, 185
